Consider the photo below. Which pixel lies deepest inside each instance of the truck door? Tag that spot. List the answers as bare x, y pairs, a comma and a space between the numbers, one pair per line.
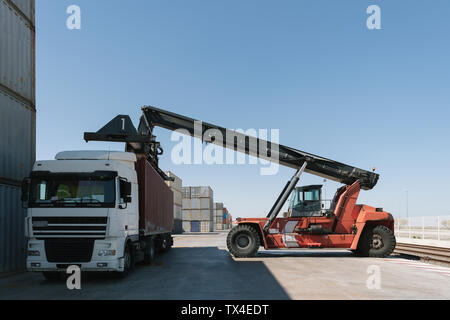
128, 209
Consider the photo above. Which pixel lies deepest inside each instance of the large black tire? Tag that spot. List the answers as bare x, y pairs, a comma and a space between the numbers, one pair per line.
243, 241
51, 275
376, 242
128, 261
149, 254
164, 244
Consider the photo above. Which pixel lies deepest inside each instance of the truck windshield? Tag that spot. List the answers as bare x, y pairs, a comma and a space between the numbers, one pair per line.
72, 191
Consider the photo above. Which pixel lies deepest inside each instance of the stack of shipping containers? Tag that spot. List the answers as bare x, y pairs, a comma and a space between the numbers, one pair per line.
176, 187
17, 124
197, 209
218, 214
222, 218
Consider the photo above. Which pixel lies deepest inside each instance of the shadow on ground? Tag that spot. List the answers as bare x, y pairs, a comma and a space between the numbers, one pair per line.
182, 273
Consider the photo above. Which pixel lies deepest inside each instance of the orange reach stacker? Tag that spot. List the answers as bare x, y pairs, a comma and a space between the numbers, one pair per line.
365, 230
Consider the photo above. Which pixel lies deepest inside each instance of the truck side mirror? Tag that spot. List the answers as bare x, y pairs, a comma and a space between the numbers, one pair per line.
25, 189
125, 189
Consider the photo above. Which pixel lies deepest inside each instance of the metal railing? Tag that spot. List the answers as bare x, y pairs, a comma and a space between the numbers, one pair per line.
427, 228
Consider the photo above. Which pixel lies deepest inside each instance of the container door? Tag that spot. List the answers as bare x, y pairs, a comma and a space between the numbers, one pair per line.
195, 226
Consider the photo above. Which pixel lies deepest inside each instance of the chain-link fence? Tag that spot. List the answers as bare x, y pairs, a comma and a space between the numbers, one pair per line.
430, 228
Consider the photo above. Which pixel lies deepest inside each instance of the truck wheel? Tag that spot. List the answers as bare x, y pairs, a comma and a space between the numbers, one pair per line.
164, 244
51, 275
149, 254
127, 261
243, 241
377, 242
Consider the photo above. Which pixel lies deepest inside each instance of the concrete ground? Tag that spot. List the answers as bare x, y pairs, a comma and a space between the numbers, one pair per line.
200, 267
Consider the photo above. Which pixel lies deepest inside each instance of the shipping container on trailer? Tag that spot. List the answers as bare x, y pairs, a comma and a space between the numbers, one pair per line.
156, 200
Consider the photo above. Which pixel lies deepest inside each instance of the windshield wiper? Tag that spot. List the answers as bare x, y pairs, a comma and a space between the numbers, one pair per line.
65, 200
91, 200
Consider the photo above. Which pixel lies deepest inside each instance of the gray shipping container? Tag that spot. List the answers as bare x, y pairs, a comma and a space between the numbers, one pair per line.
17, 124
186, 192
12, 225
196, 214
201, 192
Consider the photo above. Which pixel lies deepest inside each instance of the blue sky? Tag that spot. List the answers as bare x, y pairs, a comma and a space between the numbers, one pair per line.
311, 69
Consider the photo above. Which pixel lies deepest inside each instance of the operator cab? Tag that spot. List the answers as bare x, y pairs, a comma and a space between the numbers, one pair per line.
306, 201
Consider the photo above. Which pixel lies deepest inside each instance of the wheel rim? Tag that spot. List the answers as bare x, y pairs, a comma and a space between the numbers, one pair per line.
376, 242
242, 241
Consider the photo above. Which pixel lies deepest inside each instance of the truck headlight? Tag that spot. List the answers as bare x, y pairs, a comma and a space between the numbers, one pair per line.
34, 253
104, 253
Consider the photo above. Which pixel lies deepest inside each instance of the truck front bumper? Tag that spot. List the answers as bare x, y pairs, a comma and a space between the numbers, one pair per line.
40, 263
110, 265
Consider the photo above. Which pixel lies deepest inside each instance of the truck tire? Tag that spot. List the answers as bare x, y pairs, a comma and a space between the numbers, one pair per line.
376, 242
149, 254
243, 241
127, 261
164, 244
51, 275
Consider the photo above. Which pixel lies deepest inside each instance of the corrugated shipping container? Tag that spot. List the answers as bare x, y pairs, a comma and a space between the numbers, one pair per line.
206, 214
195, 226
206, 203
186, 192
190, 214
177, 197
176, 211
186, 226
192, 203
17, 53
218, 205
12, 239
201, 192
155, 200
206, 226
196, 214
17, 124
17, 139
177, 226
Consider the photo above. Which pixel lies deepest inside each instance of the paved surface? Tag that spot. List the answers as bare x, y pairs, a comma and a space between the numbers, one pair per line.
199, 267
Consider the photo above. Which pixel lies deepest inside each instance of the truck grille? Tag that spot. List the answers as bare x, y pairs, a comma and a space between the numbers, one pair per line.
69, 227
69, 250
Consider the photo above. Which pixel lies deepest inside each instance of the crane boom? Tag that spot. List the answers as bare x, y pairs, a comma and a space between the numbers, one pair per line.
260, 148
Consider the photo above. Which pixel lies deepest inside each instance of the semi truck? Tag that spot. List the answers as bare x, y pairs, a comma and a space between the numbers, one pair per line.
100, 210
363, 229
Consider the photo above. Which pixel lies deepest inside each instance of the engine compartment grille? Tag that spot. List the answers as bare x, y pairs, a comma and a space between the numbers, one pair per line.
69, 250
69, 227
